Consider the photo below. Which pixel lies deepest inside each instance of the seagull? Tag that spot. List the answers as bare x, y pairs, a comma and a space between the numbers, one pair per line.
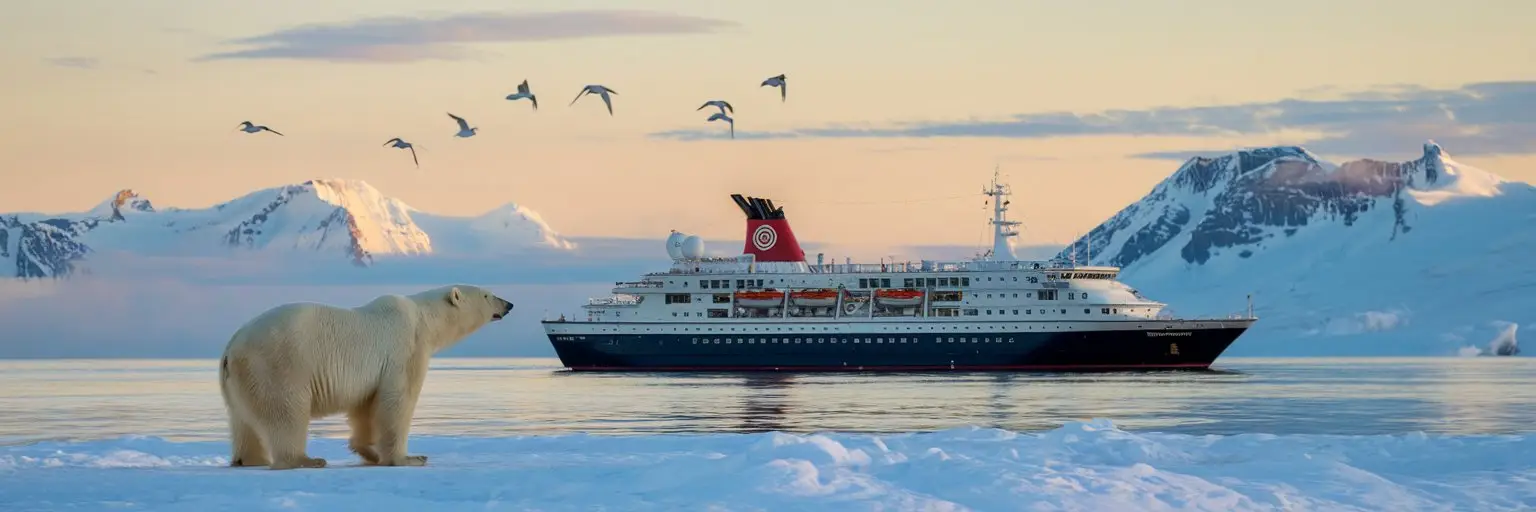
720, 116
721, 104
600, 91
522, 92
777, 81
403, 144
247, 127
464, 129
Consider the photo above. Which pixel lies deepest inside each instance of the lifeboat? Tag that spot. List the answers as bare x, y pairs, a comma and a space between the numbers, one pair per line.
814, 298
759, 298
900, 297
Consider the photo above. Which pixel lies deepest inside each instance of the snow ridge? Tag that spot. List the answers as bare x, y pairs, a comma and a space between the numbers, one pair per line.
1235, 202
347, 218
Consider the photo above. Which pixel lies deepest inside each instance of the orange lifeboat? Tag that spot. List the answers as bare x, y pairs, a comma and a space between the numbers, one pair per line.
759, 298
900, 297
818, 298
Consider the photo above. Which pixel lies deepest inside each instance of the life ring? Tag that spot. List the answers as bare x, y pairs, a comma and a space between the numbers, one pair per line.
850, 308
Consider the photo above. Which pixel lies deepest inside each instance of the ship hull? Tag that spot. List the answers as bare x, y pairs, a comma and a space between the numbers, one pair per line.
1168, 347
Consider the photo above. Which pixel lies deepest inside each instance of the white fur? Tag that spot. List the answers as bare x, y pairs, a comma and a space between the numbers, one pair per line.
303, 361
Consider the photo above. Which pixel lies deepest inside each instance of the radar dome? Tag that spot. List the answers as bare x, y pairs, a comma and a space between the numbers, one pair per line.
693, 247
675, 244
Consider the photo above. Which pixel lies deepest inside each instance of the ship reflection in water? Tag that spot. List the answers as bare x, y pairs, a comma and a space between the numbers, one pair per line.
765, 404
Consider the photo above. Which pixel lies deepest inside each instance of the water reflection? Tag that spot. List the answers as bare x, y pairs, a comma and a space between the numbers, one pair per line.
494, 397
765, 402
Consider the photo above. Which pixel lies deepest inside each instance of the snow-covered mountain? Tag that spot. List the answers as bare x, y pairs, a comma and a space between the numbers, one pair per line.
347, 218
1428, 255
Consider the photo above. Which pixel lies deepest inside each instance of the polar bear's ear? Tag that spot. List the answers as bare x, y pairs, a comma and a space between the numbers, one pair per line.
454, 297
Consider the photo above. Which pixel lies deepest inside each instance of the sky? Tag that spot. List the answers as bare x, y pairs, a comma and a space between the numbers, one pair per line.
895, 116
895, 110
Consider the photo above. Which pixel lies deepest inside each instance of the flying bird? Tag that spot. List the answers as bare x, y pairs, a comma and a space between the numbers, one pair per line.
723, 105
247, 127
396, 142
720, 116
523, 92
600, 91
464, 129
777, 81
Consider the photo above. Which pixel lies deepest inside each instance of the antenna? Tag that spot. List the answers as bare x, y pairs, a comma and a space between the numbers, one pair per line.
1002, 228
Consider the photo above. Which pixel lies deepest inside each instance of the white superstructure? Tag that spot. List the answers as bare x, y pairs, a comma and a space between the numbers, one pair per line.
743, 290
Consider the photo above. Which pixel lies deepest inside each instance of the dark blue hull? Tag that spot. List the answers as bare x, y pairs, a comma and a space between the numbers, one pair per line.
1105, 350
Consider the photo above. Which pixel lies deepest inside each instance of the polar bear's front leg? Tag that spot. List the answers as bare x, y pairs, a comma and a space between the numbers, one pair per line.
394, 406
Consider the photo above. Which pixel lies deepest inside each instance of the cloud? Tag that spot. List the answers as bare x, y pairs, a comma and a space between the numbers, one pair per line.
1482, 119
74, 62
403, 39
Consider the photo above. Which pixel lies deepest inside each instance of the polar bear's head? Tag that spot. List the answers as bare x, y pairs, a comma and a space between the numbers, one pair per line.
478, 302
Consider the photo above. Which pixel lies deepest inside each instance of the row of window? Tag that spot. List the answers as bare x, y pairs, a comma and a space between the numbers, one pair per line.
910, 282
936, 339
726, 283
721, 313
952, 296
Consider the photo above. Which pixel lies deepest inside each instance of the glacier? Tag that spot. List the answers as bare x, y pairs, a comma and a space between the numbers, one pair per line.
1424, 257
349, 220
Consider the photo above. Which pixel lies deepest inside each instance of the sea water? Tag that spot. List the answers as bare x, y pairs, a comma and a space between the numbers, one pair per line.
524, 434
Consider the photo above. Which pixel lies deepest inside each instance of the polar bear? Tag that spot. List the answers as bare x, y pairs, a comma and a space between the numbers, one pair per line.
303, 361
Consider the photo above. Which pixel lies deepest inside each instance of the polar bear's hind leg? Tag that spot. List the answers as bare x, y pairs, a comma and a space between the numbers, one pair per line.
246, 448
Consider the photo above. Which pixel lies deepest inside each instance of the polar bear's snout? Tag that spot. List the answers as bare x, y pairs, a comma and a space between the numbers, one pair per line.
506, 307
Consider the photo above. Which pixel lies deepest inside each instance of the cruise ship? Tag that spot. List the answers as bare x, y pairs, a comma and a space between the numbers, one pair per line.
769, 309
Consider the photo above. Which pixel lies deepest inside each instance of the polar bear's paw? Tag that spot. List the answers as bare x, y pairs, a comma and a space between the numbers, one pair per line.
307, 462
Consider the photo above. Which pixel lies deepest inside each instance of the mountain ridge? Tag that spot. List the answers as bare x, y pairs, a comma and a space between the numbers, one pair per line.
1219, 202
1426, 256
348, 218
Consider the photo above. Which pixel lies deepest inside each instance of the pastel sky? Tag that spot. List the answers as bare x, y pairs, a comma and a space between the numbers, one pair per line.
897, 110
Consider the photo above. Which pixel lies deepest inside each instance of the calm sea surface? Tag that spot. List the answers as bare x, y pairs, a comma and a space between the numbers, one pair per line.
179, 399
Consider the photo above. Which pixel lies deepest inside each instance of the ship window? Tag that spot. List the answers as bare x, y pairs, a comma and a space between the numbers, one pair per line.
906, 283
1071, 295
864, 283
989, 311
1104, 311
1015, 311
885, 282
1015, 295
1117, 311
965, 281
1029, 295
1086, 311
931, 281
1015, 278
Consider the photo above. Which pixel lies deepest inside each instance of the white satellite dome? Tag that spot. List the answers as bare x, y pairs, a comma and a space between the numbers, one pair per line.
693, 247
675, 245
